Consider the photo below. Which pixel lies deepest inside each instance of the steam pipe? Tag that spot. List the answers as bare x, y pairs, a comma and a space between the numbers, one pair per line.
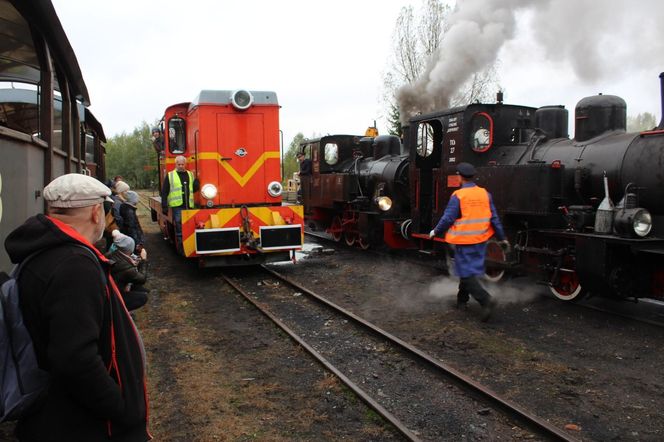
661, 82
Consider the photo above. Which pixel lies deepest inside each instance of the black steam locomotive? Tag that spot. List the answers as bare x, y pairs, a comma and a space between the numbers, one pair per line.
358, 190
554, 194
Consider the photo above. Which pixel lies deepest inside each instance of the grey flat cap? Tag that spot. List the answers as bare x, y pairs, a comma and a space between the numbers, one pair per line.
76, 190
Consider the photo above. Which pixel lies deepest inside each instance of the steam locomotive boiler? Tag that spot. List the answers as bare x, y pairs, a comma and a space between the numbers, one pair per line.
554, 194
358, 189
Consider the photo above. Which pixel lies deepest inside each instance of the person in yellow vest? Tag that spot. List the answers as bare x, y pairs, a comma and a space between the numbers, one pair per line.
177, 193
468, 222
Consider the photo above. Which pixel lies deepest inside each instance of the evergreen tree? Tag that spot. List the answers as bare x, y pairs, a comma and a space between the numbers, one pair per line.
644, 121
290, 164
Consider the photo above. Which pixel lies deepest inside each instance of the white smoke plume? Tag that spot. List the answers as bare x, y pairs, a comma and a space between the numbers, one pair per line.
598, 39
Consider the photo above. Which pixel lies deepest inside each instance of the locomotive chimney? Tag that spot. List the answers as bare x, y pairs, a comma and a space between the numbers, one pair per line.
661, 82
499, 97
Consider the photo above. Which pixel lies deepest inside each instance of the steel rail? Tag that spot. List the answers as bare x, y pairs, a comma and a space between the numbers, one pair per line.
536, 423
580, 304
350, 384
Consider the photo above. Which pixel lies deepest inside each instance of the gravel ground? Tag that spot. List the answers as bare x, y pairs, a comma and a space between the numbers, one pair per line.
429, 404
594, 373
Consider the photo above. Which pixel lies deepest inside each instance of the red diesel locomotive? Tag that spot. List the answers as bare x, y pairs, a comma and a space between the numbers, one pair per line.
230, 140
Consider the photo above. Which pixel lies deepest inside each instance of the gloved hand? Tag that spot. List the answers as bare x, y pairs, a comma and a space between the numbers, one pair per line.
432, 234
144, 254
505, 245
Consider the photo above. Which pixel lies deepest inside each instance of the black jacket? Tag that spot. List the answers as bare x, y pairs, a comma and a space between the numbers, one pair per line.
130, 224
305, 167
124, 271
69, 309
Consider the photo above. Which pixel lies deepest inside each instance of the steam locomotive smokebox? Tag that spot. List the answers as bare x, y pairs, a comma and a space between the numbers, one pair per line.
599, 114
553, 121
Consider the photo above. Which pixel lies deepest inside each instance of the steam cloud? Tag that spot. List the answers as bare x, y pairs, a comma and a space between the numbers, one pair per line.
598, 39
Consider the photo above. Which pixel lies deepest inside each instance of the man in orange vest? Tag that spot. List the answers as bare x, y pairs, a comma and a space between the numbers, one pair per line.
469, 220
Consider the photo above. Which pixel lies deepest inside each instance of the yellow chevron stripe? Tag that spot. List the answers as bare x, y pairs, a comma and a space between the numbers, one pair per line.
240, 179
262, 213
223, 215
189, 245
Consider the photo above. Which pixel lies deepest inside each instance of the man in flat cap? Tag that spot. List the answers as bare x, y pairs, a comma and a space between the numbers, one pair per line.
82, 333
468, 222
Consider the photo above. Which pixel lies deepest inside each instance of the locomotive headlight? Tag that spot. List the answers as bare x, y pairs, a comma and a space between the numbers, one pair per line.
274, 188
242, 99
631, 222
642, 222
209, 191
384, 203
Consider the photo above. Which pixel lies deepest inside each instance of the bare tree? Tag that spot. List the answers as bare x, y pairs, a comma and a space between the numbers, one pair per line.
416, 38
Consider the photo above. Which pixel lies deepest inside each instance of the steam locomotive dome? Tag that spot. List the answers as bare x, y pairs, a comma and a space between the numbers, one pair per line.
598, 114
552, 120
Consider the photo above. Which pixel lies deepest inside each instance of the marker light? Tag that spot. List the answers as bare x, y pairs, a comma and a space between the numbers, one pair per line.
274, 188
209, 191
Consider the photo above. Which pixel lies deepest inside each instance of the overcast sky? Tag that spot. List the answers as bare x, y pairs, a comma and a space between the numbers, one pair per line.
325, 60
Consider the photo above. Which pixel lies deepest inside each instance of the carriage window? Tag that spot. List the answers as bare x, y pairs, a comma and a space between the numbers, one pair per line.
90, 148
176, 135
424, 139
481, 132
331, 153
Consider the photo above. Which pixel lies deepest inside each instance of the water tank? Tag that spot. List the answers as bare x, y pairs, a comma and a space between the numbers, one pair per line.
552, 120
599, 114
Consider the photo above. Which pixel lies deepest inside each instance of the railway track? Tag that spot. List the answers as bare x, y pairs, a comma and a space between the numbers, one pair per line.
645, 310
421, 396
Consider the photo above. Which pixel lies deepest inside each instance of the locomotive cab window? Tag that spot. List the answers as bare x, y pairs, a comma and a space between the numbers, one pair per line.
331, 153
425, 139
481, 132
176, 135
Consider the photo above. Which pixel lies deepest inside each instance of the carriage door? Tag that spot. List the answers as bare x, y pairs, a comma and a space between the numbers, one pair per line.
427, 165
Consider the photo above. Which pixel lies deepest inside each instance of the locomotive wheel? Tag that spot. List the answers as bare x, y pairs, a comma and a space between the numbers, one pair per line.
568, 287
363, 243
349, 237
494, 253
336, 228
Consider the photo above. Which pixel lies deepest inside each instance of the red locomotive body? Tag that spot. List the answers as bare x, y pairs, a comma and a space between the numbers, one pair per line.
230, 140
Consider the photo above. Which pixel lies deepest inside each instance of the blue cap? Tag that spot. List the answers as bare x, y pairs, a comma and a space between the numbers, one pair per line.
466, 170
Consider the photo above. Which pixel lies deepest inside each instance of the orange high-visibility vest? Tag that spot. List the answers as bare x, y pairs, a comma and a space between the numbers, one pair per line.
474, 226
